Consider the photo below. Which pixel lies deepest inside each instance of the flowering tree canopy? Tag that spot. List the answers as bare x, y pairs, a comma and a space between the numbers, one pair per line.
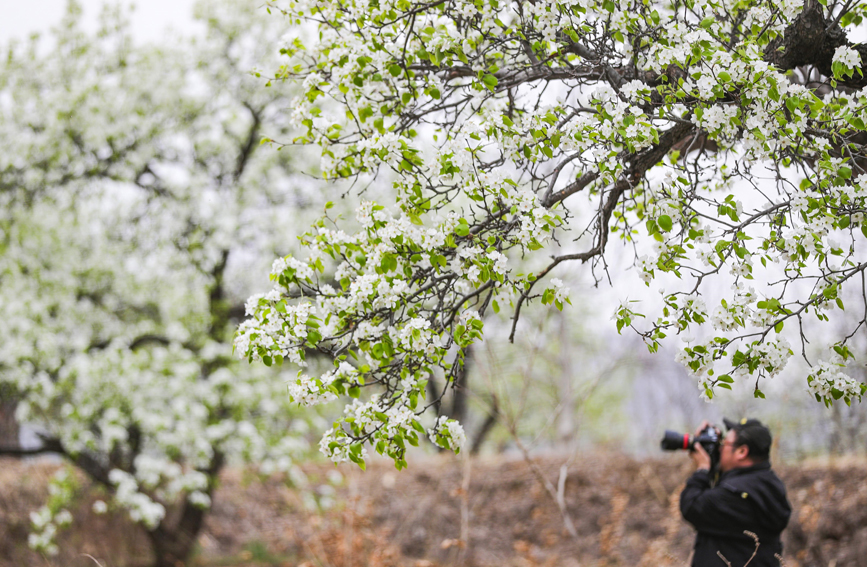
718, 139
135, 203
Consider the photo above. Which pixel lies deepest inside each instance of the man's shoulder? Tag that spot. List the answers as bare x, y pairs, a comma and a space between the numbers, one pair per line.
754, 480
761, 486
760, 473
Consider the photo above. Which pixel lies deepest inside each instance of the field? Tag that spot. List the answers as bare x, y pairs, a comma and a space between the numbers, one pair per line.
446, 511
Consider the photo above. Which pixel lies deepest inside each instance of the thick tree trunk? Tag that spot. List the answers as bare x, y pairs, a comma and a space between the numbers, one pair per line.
811, 40
459, 388
173, 544
9, 430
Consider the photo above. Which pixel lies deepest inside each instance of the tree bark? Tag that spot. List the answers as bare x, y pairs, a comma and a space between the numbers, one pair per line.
459, 388
811, 40
487, 426
173, 544
9, 429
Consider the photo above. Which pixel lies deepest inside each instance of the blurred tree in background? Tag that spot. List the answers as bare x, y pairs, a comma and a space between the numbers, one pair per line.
136, 203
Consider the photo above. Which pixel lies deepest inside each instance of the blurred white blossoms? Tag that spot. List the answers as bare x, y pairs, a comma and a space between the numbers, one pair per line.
847, 57
141, 508
138, 212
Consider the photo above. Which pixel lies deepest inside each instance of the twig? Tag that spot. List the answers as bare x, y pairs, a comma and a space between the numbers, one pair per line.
756, 550
540, 476
92, 558
561, 486
465, 503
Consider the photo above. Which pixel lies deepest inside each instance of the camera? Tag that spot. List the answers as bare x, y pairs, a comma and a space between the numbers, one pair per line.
708, 438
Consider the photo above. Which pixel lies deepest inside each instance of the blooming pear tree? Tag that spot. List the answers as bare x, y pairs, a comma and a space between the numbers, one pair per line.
135, 202
718, 140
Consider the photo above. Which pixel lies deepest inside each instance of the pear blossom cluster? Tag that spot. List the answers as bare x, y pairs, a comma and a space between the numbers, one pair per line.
546, 133
370, 317
448, 434
828, 381
846, 59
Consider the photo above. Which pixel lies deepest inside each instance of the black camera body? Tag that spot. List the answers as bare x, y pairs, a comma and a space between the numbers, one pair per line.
708, 438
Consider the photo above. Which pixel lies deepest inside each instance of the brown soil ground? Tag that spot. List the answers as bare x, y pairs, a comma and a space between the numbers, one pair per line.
447, 512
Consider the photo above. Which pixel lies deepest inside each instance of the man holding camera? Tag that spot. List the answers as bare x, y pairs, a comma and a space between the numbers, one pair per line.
748, 497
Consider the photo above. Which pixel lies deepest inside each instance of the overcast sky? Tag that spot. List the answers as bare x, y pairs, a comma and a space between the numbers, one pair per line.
20, 18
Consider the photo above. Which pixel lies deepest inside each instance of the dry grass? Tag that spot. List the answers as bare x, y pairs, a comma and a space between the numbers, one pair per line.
437, 514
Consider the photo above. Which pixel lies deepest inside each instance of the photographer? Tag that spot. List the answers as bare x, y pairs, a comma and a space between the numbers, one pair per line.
747, 497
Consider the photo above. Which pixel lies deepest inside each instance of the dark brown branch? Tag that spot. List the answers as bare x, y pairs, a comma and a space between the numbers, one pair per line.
85, 461
249, 144
640, 163
570, 189
148, 339
218, 306
51, 446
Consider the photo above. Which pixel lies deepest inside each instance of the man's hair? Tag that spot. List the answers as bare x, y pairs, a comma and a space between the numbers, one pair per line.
755, 435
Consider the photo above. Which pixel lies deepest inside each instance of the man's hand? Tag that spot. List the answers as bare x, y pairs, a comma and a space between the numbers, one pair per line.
700, 457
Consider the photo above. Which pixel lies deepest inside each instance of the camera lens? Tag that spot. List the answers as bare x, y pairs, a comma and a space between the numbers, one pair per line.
674, 441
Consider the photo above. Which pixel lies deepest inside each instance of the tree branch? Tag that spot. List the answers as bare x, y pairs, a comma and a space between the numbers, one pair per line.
250, 143
18, 452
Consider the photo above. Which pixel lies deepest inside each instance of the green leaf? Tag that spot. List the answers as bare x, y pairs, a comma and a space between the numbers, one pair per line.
490, 81
664, 223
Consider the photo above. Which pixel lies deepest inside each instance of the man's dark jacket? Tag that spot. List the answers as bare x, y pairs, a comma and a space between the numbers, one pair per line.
750, 498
